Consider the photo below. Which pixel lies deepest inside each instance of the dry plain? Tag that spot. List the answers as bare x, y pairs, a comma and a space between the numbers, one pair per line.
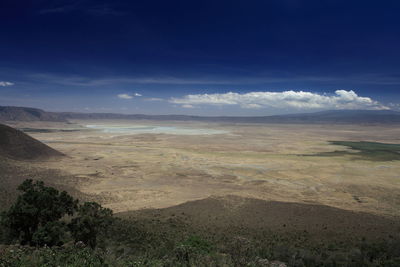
161, 164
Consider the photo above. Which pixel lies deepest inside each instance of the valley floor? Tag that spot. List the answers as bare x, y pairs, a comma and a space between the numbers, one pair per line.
268, 162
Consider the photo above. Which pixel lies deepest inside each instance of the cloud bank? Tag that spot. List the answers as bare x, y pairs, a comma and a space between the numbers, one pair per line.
6, 83
342, 99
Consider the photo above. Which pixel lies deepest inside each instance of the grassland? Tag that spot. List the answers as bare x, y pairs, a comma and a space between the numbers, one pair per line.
267, 162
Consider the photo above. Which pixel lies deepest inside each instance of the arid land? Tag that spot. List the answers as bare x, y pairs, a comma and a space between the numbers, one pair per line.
126, 171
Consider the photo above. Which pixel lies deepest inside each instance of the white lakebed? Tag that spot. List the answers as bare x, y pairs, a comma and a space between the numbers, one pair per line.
154, 129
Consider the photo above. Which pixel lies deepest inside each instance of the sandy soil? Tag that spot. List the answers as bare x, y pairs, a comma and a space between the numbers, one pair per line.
129, 172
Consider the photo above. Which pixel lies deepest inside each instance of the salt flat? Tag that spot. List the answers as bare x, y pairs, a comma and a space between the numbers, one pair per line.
150, 168
152, 129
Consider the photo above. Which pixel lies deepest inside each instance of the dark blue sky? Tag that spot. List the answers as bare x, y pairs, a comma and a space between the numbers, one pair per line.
85, 55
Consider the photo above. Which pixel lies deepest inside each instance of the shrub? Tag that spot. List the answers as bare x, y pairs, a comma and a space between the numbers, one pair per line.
51, 234
38, 207
92, 218
35, 218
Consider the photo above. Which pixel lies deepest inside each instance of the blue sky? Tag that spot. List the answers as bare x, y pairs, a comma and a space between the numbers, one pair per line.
200, 57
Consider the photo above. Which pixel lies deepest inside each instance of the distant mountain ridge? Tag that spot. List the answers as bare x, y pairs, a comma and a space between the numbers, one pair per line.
330, 116
10, 113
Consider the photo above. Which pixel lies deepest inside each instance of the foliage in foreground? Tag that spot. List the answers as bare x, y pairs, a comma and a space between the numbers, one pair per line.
195, 251
37, 217
47, 238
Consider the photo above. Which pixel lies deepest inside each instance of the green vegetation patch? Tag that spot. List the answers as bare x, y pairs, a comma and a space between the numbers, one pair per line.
372, 151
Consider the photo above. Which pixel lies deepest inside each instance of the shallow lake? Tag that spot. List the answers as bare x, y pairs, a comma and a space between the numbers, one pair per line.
141, 129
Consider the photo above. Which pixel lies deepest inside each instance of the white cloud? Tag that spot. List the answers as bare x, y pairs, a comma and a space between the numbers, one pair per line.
6, 84
187, 106
125, 96
154, 99
342, 99
395, 106
128, 96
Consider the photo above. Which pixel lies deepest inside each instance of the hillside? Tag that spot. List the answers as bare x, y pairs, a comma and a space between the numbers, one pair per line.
298, 234
18, 145
233, 215
28, 114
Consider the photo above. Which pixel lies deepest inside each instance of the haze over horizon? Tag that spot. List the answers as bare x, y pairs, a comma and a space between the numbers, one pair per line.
200, 58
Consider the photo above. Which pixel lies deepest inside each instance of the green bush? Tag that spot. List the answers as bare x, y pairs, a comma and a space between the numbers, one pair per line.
71, 257
35, 219
92, 218
51, 234
36, 207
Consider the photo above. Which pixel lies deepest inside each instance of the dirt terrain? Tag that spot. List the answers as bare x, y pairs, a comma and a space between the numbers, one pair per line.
128, 171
